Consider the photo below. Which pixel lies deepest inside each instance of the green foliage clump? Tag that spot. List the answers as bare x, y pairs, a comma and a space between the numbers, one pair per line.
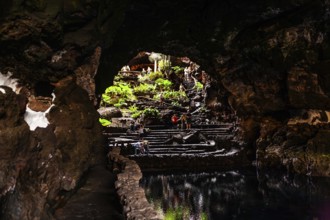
199, 86
163, 84
104, 122
178, 213
118, 94
118, 78
175, 103
164, 64
143, 78
177, 69
151, 113
144, 88
155, 75
172, 96
121, 102
135, 112
150, 77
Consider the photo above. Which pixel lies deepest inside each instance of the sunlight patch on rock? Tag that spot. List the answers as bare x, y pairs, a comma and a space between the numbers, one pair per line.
36, 119
5, 80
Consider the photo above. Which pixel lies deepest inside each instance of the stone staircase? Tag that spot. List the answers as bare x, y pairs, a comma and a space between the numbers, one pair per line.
159, 136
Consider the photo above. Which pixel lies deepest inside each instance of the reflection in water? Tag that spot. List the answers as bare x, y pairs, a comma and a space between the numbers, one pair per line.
238, 195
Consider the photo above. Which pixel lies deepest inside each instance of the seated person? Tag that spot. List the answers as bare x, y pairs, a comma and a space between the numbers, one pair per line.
145, 144
137, 147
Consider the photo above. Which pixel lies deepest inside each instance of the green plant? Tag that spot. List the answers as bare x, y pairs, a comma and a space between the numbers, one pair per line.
177, 69
151, 113
106, 99
135, 112
104, 122
118, 94
118, 77
172, 96
143, 78
155, 75
144, 88
121, 102
163, 84
122, 89
175, 103
164, 64
199, 86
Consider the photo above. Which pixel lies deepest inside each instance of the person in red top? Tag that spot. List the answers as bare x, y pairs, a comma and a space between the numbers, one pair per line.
175, 120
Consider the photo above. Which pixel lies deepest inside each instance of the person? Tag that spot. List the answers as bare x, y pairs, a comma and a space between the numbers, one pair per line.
181, 88
141, 131
174, 121
183, 120
188, 120
137, 147
187, 74
143, 71
132, 126
204, 77
149, 70
161, 99
145, 144
124, 69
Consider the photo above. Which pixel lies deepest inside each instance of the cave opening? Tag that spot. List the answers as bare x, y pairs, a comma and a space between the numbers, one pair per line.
157, 86
43, 89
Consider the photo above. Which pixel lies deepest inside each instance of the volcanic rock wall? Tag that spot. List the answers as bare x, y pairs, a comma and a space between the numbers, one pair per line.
47, 49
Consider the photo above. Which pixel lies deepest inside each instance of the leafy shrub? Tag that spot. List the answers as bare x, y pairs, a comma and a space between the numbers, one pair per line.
121, 102
144, 88
104, 122
150, 77
118, 77
151, 113
135, 113
175, 103
118, 94
144, 78
163, 84
199, 86
177, 69
163, 64
155, 75
172, 96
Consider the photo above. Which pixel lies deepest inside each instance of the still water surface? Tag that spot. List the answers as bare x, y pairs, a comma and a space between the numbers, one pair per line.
238, 195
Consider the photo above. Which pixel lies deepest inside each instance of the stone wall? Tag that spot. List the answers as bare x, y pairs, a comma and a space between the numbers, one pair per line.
131, 195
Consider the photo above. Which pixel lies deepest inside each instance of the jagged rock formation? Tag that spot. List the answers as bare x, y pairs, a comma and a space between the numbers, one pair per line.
39, 166
46, 57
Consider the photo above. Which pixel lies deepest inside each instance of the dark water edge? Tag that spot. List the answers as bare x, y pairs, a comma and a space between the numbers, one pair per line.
238, 194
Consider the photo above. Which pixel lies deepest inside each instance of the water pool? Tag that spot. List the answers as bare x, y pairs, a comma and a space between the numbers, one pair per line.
238, 194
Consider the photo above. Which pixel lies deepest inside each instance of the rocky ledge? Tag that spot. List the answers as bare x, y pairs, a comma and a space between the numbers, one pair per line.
132, 196
299, 148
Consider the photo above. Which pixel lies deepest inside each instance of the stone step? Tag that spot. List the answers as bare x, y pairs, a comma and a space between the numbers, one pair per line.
170, 152
193, 129
218, 153
199, 145
173, 151
222, 125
